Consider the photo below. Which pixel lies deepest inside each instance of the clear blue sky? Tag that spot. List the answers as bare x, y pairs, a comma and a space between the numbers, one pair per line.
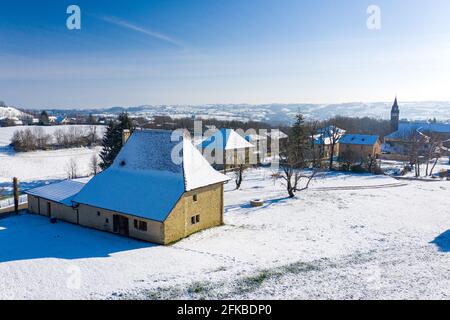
222, 51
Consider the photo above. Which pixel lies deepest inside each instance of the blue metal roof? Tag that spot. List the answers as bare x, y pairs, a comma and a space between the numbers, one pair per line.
359, 139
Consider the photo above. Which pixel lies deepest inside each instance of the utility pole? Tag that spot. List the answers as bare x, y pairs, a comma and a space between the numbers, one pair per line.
16, 195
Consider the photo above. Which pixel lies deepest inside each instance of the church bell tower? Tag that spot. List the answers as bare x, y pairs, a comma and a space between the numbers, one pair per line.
395, 116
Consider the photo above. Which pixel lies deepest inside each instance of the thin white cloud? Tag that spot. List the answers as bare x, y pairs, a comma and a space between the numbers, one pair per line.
130, 26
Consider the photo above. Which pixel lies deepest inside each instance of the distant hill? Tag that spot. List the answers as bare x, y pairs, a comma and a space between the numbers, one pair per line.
10, 113
281, 113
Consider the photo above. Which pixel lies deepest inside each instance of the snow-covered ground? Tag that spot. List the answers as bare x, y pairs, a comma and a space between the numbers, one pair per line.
37, 168
394, 167
349, 236
40, 167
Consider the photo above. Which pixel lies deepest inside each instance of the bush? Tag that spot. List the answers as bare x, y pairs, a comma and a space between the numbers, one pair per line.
345, 167
357, 168
444, 174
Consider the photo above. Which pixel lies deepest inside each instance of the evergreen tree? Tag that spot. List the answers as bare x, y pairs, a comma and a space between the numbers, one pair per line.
43, 119
299, 140
112, 141
91, 119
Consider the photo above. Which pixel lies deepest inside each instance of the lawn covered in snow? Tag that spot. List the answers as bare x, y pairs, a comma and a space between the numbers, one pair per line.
347, 237
40, 167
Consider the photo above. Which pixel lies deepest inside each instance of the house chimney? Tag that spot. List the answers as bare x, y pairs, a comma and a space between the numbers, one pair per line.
125, 136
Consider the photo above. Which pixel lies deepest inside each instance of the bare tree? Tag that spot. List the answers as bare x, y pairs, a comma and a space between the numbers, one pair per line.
334, 134
239, 175
415, 148
94, 165
293, 158
293, 176
433, 150
316, 142
92, 135
72, 169
42, 139
24, 141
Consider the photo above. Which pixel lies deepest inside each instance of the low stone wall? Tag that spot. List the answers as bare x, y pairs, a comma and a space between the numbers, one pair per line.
393, 157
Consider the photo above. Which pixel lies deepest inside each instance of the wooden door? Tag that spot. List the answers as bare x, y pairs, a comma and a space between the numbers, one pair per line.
121, 225
49, 209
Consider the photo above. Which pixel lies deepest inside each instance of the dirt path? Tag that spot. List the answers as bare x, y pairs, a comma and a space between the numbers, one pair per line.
354, 188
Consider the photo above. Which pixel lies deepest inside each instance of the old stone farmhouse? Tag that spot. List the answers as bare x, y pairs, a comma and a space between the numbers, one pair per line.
157, 190
358, 147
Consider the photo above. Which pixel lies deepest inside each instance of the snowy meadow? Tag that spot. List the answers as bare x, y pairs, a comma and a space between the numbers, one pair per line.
347, 237
40, 167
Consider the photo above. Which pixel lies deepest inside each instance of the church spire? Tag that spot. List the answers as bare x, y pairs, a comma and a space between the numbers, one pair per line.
395, 116
395, 106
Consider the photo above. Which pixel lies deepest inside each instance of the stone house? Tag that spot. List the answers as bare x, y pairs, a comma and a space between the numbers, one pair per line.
157, 190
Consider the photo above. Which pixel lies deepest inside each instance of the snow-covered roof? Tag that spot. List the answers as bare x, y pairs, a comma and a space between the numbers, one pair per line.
324, 136
254, 137
359, 139
406, 128
276, 135
225, 139
147, 179
61, 192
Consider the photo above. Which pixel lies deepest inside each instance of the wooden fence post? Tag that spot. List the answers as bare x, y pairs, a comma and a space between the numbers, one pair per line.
16, 195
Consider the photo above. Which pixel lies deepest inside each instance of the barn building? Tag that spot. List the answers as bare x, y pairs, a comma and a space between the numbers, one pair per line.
157, 190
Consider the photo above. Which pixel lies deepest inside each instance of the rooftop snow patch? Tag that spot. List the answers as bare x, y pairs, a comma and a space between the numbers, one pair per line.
61, 192
149, 176
225, 139
358, 139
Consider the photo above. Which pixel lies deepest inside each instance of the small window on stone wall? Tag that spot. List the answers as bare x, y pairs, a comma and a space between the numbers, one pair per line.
195, 219
142, 225
195, 198
98, 213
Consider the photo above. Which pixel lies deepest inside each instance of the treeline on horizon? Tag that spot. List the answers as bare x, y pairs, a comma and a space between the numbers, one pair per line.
363, 125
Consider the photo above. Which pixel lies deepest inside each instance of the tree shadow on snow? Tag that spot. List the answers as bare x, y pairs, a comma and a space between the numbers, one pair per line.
27, 237
443, 241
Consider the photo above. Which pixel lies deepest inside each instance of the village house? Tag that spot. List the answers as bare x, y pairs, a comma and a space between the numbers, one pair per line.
324, 140
146, 194
226, 149
260, 142
358, 147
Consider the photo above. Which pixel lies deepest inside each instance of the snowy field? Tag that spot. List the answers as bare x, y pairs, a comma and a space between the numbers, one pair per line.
394, 167
40, 167
348, 237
